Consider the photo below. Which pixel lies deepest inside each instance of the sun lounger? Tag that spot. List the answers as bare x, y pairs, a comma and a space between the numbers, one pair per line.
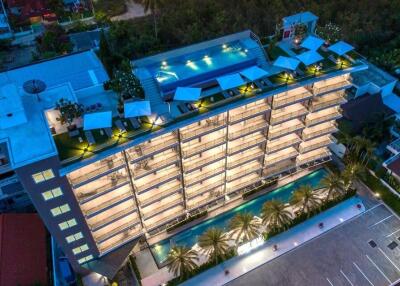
89, 137
108, 131
120, 125
226, 94
135, 122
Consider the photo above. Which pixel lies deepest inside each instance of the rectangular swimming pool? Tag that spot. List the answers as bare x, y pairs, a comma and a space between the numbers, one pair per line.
189, 236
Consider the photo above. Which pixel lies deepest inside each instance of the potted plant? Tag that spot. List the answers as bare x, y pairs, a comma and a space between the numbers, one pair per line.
69, 111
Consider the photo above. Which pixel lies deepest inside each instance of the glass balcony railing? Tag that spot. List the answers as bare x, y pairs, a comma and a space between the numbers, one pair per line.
308, 146
150, 148
278, 169
160, 195
313, 132
243, 183
109, 219
332, 115
236, 160
204, 189
278, 131
330, 87
153, 165
280, 156
285, 116
150, 183
307, 158
193, 179
325, 103
199, 130
117, 230
110, 184
248, 128
190, 150
281, 101
154, 210
112, 202
164, 219
119, 239
203, 202
242, 171
193, 164
282, 144
253, 141
247, 113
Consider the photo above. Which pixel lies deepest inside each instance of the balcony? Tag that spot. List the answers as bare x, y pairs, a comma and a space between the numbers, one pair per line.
330, 85
159, 194
119, 239
280, 130
244, 157
100, 187
164, 217
107, 201
242, 182
246, 143
245, 113
291, 97
101, 223
202, 128
198, 147
329, 100
282, 155
240, 130
195, 177
206, 186
200, 201
243, 170
148, 166
282, 143
95, 170
163, 205
279, 168
153, 180
321, 116
319, 130
205, 159
149, 148
315, 144
313, 156
116, 228
287, 113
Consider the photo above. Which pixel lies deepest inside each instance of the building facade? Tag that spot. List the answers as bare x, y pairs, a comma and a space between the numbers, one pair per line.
182, 162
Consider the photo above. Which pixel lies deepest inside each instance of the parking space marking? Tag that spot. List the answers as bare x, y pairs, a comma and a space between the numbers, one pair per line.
387, 257
329, 281
392, 233
365, 276
380, 271
347, 278
382, 220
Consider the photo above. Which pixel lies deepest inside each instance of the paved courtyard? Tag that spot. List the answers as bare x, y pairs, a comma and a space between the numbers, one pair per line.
362, 251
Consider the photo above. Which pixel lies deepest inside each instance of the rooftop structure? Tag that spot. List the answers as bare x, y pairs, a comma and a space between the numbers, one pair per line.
217, 119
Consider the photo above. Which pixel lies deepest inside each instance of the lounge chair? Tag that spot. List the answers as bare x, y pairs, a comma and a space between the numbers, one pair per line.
120, 125
226, 94
89, 137
108, 131
135, 122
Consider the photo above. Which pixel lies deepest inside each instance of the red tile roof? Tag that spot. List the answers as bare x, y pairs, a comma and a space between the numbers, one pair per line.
23, 259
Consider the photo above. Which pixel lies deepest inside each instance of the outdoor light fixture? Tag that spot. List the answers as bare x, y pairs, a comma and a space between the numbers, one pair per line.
224, 46
164, 63
207, 59
246, 50
287, 77
188, 62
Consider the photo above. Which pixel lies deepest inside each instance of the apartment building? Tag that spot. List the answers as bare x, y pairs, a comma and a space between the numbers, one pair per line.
100, 188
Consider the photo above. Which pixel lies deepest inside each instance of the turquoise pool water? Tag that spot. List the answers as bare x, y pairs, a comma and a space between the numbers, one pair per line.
198, 63
189, 236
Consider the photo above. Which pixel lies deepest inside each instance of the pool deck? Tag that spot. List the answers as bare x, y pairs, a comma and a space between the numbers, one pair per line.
286, 242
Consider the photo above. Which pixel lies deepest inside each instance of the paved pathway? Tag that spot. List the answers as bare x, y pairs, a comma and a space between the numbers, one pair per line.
286, 241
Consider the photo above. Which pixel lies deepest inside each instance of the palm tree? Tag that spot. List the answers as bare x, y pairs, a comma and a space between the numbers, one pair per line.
334, 183
350, 173
369, 148
182, 261
214, 242
306, 198
275, 214
152, 6
244, 227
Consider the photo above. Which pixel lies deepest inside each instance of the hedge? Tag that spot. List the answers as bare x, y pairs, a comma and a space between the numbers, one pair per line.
187, 220
260, 188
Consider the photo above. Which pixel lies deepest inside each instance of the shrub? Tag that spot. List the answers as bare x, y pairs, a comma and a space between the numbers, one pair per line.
260, 188
187, 220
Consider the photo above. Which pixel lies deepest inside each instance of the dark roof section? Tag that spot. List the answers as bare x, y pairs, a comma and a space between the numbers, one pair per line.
394, 166
23, 259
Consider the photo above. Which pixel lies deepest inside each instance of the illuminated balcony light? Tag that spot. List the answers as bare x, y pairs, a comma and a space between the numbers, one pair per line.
164, 63
207, 59
224, 46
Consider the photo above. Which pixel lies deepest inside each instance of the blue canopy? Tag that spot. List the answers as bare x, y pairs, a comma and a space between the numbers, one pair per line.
230, 81
254, 73
312, 43
97, 120
310, 57
341, 48
137, 108
187, 93
286, 63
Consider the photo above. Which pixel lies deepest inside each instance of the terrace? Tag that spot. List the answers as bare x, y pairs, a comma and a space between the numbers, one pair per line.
73, 149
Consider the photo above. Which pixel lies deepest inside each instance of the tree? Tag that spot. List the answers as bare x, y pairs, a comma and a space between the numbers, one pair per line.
244, 227
330, 32
351, 172
54, 41
214, 242
181, 261
126, 84
68, 111
275, 214
152, 6
306, 198
334, 183
105, 53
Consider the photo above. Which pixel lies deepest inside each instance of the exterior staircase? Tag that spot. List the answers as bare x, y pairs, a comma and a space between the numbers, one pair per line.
153, 95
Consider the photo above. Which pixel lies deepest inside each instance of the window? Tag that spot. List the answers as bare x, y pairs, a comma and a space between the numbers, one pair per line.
43, 176
80, 249
54, 193
60, 210
74, 237
85, 259
67, 224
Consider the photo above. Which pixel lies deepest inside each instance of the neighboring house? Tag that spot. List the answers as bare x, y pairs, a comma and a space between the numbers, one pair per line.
85, 40
289, 23
23, 250
32, 11
5, 29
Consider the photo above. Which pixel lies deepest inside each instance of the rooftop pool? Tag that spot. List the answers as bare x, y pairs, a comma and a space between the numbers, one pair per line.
189, 236
201, 65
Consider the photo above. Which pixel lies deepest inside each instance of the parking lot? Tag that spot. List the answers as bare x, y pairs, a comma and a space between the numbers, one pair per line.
363, 251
